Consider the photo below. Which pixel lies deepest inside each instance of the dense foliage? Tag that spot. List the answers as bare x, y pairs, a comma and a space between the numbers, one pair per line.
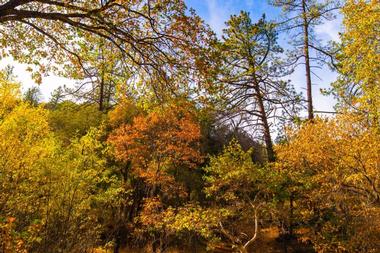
166, 142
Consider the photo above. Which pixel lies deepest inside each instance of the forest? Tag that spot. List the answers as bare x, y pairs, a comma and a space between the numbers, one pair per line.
175, 138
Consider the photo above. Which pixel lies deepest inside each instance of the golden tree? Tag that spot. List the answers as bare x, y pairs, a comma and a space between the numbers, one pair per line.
334, 167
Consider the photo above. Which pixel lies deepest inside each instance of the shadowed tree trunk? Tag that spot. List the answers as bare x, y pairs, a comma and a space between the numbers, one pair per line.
266, 129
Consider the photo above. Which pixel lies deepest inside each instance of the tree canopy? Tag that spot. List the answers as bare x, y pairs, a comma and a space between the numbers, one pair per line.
175, 139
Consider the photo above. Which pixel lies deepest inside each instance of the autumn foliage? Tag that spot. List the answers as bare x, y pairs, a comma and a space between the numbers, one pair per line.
159, 144
334, 169
174, 139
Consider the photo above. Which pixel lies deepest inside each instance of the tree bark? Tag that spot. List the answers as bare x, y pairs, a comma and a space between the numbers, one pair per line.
266, 129
291, 218
101, 94
307, 62
101, 88
116, 248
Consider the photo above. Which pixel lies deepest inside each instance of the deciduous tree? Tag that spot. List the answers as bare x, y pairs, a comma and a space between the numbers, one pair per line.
334, 167
151, 36
158, 149
358, 86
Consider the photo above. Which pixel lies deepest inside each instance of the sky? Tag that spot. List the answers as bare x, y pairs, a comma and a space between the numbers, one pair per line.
216, 13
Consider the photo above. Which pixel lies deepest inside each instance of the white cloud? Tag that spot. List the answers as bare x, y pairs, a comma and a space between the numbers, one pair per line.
329, 30
320, 101
218, 13
48, 85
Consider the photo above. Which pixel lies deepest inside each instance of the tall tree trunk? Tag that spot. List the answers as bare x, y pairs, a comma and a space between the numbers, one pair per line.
116, 248
266, 129
101, 88
101, 94
307, 62
291, 218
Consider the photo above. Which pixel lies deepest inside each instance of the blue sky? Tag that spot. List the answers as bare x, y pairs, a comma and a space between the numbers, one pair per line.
216, 13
